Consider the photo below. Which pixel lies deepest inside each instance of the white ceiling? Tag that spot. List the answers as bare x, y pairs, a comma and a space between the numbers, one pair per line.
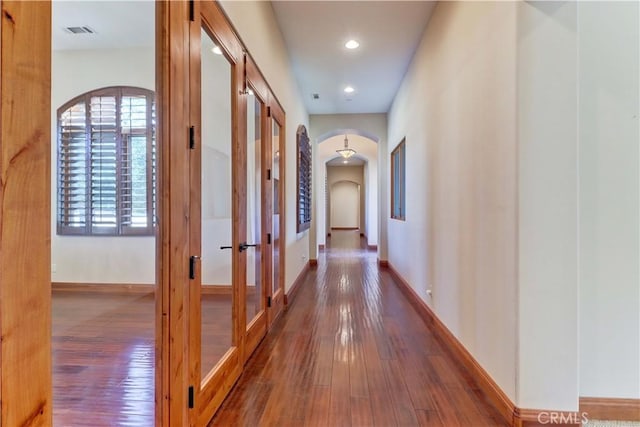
355, 160
117, 24
315, 33
366, 150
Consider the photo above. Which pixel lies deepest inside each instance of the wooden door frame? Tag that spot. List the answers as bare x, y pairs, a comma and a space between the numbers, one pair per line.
178, 22
218, 383
25, 213
172, 104
258, 326
25, 157
277, 113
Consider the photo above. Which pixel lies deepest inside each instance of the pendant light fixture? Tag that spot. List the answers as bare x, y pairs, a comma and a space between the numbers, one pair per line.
346, 152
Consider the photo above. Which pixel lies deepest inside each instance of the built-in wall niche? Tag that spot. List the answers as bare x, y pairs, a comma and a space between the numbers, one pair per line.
304, 180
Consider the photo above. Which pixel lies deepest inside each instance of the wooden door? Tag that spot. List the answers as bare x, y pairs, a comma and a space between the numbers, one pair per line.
217, 212
277, 225
217, 242
258, 207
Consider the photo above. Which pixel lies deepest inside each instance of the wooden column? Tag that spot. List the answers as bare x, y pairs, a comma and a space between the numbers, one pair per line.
25, 213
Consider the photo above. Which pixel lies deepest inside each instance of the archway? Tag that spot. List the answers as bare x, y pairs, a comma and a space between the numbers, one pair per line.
362, 168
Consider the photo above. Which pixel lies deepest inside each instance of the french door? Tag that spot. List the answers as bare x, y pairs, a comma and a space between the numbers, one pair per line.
258, 205
229, 207
276, 125
216, 225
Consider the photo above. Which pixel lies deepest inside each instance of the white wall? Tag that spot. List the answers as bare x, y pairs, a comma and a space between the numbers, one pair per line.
521, 126
547, 198
129, 259
609, 70
456, 109
258, 28
345, 205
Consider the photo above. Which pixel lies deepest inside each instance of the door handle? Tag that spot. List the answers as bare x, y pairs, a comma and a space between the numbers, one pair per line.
244, 246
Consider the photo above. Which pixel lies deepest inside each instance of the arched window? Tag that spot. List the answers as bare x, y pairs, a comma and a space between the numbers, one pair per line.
107, 163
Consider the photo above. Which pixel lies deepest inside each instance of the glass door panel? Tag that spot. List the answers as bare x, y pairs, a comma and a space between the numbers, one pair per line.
275, 148
254, 300
277, 156
216, 290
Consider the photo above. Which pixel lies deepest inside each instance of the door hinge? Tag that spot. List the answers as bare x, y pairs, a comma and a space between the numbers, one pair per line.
192, 14
268, 111
269, 301
192, 266
244, 74
191, 397
268, 174
192, 137
268, 238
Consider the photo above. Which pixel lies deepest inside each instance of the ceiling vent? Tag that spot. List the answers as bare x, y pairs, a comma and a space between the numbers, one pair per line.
79, 30
315, 96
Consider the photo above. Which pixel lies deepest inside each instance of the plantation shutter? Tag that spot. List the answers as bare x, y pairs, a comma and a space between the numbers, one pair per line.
72, 170
138, 164
107, 163
104, 165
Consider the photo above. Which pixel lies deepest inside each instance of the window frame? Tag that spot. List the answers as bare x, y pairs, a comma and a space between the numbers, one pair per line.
122, 150
399, 173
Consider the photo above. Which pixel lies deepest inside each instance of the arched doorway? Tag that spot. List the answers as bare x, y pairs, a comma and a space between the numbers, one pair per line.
366, 159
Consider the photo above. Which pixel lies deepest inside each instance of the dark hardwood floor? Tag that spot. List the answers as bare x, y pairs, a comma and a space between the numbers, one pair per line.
352, 351
103, 355
103, 359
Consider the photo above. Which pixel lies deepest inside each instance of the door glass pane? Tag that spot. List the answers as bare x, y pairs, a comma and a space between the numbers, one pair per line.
277, 194
103, 287
217, 222
254, 217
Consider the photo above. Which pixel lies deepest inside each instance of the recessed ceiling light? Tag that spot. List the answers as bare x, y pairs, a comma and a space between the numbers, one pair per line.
345, 161
217, 50
352, 44
349, 89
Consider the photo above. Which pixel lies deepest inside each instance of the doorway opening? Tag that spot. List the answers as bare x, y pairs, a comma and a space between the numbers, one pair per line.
103, 215
347, 195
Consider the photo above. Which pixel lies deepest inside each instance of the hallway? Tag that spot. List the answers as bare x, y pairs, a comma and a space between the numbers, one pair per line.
351, 350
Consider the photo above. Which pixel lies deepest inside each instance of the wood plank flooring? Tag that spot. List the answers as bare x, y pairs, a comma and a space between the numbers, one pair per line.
352, 351
103, 355
103, 359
